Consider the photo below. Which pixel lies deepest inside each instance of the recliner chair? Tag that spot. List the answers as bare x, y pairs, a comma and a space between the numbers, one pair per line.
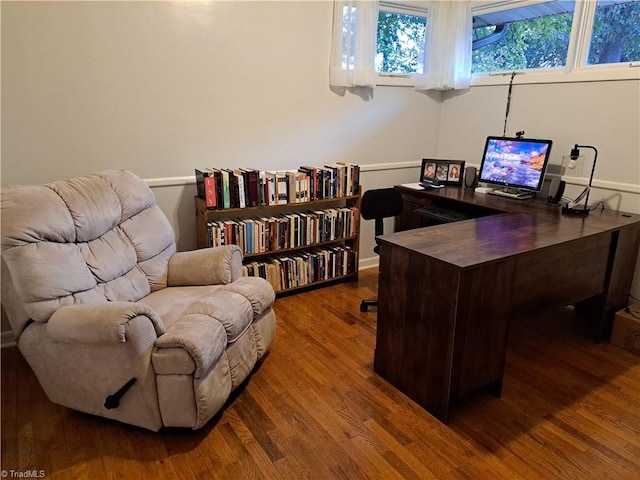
378, 204
111, 319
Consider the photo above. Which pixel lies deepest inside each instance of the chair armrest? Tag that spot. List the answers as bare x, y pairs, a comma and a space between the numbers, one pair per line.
207, 266
101, 323
257, 290
200, 335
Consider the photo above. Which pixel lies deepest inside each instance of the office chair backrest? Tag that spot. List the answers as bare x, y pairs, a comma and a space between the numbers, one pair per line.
380, 203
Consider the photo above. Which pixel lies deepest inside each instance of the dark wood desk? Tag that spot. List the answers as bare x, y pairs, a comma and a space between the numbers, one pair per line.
448, 292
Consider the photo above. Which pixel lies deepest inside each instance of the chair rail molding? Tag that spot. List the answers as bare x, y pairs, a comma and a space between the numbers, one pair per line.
622, 187
190, 179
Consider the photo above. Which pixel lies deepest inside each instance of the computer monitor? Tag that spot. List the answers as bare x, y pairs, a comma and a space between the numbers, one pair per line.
515, 163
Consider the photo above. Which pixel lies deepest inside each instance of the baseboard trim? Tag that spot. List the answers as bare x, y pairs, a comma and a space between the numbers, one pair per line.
368, 262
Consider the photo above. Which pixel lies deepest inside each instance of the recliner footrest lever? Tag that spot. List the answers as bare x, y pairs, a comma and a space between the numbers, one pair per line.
113, 401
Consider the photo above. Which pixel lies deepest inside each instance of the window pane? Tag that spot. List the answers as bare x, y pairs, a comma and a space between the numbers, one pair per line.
401, 39
348, 34
616, 33
536, 36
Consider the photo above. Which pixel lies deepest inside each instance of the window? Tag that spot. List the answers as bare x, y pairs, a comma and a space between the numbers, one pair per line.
552, 40
536, 36
401, 41
556, 40
615, 37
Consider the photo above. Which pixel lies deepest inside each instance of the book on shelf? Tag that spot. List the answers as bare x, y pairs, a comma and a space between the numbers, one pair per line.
226, 196
291, 186
336, 175
312, 176
219, 189
206, 187
265, 233
282, 188
297, 186
328, 182
304, 187
262, 188
252, 177
237, 183
270, 188
238, 199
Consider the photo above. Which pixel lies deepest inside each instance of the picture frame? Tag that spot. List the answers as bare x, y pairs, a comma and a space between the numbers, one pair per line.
455, 172
442, 172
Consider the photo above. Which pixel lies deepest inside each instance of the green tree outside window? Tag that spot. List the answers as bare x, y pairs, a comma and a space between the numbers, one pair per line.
401, 39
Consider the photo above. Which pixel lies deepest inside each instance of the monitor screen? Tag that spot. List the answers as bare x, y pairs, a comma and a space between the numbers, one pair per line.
515, 162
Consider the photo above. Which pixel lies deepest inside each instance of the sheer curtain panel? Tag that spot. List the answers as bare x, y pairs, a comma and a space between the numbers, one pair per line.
447, 62
353, 44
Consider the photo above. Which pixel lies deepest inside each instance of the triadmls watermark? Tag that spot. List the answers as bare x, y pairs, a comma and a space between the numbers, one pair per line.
23, 473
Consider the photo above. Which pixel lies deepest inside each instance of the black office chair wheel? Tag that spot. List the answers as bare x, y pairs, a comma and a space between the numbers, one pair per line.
364, 306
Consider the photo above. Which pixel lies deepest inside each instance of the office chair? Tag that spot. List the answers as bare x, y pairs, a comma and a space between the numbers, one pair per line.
377, 205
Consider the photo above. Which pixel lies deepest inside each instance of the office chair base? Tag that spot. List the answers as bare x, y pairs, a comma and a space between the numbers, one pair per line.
364, 306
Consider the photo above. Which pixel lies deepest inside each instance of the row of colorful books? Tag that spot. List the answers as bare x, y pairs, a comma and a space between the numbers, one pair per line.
290, 230
304, 268
223, 188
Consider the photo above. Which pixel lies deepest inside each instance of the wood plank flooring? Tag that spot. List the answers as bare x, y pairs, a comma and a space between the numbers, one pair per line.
315, 409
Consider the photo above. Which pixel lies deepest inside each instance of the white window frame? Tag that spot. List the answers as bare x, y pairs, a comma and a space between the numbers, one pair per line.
401, 79
576, 69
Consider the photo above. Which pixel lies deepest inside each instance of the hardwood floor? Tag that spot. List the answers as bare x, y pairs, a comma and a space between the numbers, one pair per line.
314, 409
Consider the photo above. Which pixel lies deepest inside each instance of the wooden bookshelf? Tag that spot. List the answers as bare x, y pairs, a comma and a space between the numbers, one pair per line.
348, 243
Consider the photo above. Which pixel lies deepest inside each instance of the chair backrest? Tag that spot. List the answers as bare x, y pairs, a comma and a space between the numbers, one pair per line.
92, 239
380, 203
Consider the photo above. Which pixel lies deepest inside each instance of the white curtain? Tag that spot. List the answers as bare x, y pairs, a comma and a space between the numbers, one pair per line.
447, 63
353, 43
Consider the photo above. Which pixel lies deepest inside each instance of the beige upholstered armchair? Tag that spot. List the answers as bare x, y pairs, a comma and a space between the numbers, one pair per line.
111, 319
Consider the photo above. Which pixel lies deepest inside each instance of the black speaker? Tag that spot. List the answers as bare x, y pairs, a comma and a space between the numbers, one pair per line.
556, 190
470, 177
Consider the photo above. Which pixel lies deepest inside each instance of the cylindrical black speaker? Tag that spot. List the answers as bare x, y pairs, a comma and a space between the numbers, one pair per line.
556, 190
470, 177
